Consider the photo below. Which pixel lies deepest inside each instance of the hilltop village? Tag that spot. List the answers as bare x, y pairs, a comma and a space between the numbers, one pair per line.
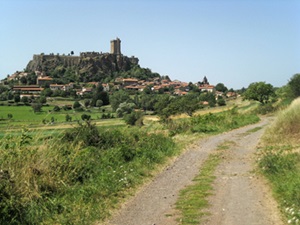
113, 71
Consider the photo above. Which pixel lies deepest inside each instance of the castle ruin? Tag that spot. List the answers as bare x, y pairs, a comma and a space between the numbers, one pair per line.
91, 62
115, 47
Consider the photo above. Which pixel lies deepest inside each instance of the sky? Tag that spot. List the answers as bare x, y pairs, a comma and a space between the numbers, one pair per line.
234, 42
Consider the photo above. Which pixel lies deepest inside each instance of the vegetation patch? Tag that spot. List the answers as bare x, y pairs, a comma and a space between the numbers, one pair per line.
212, 123
279, 161
76, 178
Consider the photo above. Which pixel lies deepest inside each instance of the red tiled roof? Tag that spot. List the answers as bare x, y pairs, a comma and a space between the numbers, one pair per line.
29, 89
45, 78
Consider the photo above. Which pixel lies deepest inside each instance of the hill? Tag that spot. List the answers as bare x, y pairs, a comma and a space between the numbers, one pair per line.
89, 66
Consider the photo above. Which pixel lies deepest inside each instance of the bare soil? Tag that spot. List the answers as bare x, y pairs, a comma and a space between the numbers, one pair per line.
240, 196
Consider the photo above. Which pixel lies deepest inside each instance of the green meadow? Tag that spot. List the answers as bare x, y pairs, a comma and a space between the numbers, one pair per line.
47, 121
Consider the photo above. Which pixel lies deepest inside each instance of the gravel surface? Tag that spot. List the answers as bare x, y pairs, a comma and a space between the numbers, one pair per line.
240, 197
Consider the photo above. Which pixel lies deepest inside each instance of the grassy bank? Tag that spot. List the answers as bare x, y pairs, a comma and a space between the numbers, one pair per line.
77, 180
211, 123
81, 174
279, 160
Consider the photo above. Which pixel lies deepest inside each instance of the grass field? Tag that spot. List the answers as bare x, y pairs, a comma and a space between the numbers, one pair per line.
24, 117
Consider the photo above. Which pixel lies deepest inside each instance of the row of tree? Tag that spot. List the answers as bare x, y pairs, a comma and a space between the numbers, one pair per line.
266, 93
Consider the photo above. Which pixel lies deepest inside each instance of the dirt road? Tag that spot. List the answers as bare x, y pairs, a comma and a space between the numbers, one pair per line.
240, 197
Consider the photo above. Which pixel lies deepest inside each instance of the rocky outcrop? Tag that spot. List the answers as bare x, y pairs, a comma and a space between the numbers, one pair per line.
89, 64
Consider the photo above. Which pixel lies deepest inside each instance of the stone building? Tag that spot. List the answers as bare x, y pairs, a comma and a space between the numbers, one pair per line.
115, 47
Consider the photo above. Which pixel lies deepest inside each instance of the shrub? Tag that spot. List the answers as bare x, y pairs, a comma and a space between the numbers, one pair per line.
134, 118
85, 117
56, 108
265, 109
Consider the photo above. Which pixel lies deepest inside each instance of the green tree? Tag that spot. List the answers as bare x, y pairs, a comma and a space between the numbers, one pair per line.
76, 105
25, 100
259, 91
31, 78
17, 98
221, 87
147, 101
161, 106
85, 117
42, 99
99, 103
47, 92
125, 108
23, 80
221, 101
68, 118
87, 103
185, 104
37, 107
294, 84
209, 97
134, 118
56, 108
117, 98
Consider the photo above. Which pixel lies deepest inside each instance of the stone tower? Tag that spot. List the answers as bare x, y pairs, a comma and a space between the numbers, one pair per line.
115, 46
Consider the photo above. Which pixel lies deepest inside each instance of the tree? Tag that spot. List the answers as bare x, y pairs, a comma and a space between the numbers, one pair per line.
85, 117
25, 100
37, 107
99, 103
259, 91
56, 108
68, 118
17, 98
221, 101
42, 99
221, 87
134, 118
125, 108
9, 116
117, 98
294, 85
87, 102
76, 105
47, 92
23, 80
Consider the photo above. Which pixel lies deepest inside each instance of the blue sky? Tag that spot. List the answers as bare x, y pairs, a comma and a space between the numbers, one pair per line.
229, 41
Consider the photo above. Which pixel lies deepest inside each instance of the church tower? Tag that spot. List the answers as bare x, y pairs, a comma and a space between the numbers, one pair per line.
115, 46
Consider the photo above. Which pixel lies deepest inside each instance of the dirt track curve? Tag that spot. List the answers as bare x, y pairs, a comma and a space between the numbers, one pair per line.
240, 197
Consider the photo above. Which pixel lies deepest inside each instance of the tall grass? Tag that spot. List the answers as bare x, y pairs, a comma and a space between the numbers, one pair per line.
286, 128
75, 180
212, 123
279, 160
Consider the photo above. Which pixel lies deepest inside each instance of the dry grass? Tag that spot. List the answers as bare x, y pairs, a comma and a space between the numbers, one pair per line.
286, 127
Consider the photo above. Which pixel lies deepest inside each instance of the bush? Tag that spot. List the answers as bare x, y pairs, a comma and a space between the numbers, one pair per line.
134, 118
85, 117
265, 109
56, 108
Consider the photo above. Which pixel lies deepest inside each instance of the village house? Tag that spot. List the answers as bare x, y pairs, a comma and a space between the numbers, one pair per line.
28, 89
83, 91
129, 81
43, 80
135, 87
17, 75
61, 87
208, 88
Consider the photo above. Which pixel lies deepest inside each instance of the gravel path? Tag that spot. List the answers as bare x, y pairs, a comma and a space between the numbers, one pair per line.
240, 197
